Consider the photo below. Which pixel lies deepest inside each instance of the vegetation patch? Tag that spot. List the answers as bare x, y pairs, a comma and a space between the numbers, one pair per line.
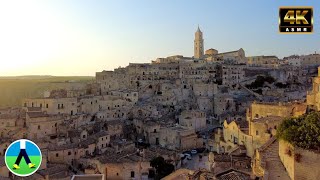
302, 131
162, 167
281, 85
259, 82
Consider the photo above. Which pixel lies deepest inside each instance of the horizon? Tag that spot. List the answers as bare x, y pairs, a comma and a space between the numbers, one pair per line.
40, 75
80, 38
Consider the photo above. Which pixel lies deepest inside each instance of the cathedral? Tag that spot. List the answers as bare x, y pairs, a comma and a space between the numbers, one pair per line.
237, 57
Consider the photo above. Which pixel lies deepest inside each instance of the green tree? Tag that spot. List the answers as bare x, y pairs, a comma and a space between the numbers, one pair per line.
302, 131
162, 167
259, 82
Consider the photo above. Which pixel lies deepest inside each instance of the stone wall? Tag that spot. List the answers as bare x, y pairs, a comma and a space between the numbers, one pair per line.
304, 168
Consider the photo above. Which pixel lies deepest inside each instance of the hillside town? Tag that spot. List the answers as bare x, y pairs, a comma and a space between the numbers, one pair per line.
214, 115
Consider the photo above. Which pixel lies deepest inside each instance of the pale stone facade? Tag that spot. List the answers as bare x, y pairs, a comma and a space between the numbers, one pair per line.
314, 95
232, 74
179, 138
294, 61
54, 105
263, 61
306, 166
198, 44
193, 119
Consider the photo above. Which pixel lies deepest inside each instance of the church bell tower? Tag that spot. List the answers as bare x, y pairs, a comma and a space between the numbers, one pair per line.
198, 44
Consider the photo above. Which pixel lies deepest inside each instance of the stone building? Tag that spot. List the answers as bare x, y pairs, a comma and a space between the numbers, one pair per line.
260, 127
130, 164
299, 163
193, 119
62, 105
238, 56
258, 110
179, 138
310, 60
232, 74
314, 95
223, 103
149, 129
294, 60
85, 145
198, 44
263, 61
41, 125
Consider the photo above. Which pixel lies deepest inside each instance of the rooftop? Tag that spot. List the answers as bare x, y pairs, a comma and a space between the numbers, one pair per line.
36, 114
233, 175
268, 119
52, 169
134, 155
88, 177
30, 109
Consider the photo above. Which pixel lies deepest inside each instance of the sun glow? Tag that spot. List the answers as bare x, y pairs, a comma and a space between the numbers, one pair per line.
33, 39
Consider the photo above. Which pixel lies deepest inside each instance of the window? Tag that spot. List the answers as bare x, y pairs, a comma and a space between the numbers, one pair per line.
47, 105
84, 136
154, 130
132, 174
257, 133
57, 154
69, 153
41, 105
39, 127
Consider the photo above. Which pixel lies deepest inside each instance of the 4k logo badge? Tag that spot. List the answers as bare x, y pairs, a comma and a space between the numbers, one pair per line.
296, 20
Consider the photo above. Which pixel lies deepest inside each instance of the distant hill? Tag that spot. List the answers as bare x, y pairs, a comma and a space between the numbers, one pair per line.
76, 78
27, 77
14, 89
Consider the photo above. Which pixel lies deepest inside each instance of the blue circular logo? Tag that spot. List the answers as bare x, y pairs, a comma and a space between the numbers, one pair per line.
23, 157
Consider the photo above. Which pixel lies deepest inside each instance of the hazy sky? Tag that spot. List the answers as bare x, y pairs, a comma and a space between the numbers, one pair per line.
80, 37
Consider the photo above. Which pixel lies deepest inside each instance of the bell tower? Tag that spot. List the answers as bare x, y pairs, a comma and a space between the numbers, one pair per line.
198, 44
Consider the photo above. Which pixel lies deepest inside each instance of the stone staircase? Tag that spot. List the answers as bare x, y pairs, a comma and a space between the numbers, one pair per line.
272, 162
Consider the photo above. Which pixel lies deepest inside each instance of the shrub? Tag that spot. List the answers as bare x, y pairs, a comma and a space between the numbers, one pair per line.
260, 81
302, 131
